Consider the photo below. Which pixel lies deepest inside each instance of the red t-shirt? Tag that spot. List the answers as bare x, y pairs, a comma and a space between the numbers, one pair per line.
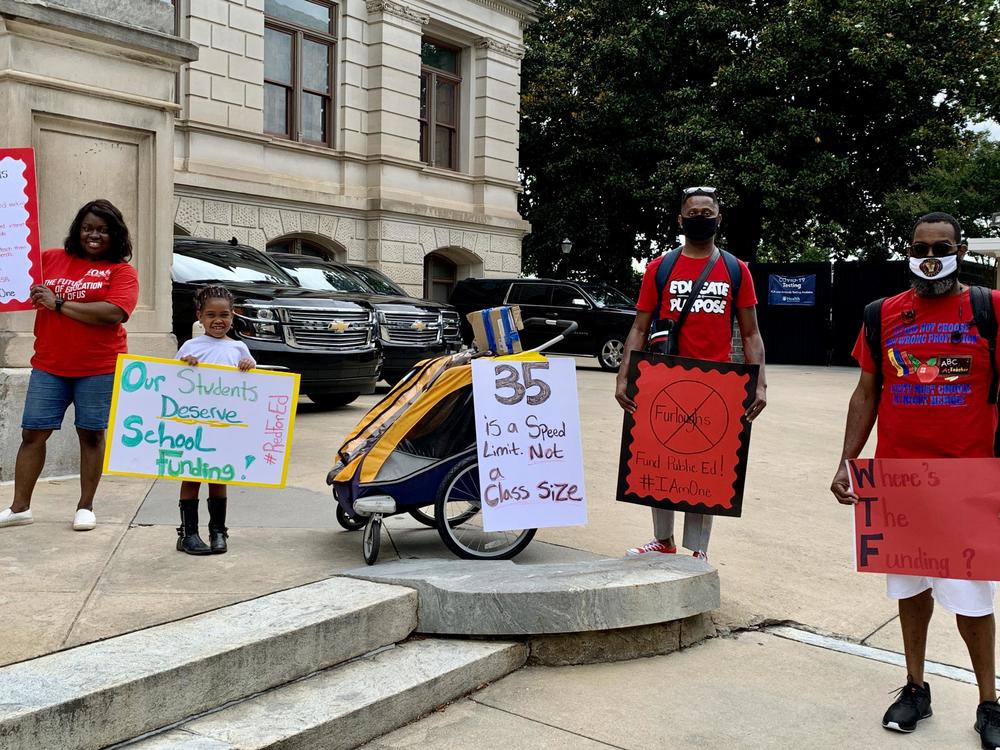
67, 347
934, 394
706, 334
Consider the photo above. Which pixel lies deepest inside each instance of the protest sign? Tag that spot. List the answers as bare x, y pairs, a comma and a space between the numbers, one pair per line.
206, 423
791, 290
936, 517
528, 442
20, 247
685, 448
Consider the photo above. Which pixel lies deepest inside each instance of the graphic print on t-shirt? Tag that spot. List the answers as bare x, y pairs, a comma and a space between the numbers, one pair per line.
937, 375
77, 289
713, 297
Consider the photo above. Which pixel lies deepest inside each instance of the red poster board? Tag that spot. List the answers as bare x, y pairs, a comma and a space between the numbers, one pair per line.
927, 517
685, 448
20, 246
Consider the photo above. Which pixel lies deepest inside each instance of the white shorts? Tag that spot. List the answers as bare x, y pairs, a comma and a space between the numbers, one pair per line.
968, 598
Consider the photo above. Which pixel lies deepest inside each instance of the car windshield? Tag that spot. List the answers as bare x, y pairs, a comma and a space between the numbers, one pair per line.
377, 281
225, 264
326, 279
608, 296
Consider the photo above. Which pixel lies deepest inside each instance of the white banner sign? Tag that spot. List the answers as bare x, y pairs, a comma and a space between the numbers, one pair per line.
20, 252
205, 423
528, 442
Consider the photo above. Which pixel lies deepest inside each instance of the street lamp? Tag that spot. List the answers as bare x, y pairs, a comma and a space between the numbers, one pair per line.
567, 248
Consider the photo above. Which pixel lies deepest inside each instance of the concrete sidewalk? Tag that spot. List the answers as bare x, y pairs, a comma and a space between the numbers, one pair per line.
788, 559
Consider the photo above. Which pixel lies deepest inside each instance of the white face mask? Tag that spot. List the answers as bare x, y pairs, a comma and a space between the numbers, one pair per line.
933, 269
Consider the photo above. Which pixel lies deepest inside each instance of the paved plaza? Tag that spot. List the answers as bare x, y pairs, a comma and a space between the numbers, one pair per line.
787, 562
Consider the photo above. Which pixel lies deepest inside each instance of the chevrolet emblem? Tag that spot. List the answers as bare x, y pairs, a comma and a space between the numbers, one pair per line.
338, 326
418, 325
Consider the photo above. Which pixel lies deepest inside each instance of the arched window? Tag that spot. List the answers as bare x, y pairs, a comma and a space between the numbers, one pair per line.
440, 275
299, 246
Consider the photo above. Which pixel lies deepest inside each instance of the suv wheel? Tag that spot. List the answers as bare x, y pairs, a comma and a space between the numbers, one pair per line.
332, 400
610, 353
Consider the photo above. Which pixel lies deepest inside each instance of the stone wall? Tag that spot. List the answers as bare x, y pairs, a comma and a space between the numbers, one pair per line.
397, 245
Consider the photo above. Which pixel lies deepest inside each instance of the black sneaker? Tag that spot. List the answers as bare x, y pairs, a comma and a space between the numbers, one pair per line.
988, 724
913, 703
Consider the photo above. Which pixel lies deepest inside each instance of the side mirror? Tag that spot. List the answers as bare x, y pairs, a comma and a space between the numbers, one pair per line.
579, 302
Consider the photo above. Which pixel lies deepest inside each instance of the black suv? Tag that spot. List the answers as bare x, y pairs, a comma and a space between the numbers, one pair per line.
602, 313
330, 340
410, 329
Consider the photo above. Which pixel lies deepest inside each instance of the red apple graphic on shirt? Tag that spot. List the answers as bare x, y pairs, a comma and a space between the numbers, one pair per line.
927, 372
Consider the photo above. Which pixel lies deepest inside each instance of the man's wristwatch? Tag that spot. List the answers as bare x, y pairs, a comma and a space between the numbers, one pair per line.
59, 304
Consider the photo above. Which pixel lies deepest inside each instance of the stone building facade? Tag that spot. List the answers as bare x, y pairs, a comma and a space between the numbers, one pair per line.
373, 131
354, 181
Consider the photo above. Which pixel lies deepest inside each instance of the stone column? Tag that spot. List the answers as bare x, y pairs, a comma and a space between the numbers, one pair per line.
496, 109
89, 84
394, 80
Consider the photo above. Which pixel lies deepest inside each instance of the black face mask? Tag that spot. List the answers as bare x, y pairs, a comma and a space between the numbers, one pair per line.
700, 228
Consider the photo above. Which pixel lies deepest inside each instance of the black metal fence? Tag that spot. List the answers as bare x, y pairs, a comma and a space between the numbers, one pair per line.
810, 313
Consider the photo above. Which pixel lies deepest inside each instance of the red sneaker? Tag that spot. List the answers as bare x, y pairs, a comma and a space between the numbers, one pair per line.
654, 546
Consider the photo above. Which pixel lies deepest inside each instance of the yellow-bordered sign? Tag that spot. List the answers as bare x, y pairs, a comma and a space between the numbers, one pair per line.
204, 423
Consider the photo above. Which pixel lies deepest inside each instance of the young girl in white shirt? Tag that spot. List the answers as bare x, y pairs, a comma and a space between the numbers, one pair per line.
214, 308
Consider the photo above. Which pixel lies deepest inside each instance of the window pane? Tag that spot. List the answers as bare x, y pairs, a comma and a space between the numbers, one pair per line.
529, 294
277, 56
424, 156
315, 66
275, 109
301, 12
439, 57
443, 141
444, 103
314, 118
424, 83
563, 296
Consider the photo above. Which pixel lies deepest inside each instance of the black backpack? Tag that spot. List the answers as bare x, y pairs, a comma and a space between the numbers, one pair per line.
983, 317
733, 268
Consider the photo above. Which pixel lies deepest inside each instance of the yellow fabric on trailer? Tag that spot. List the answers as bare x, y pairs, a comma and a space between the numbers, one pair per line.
448, 382
348, 471
396, 400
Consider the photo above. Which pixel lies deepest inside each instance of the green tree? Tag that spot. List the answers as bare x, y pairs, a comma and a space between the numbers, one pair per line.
964, 181
806, 114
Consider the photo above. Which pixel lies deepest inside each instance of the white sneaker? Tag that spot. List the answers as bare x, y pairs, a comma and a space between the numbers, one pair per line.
84, 520
10, 518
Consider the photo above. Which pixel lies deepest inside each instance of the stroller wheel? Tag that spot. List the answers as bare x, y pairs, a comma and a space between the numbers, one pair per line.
349, 522
460, 513
459, 498
372, 539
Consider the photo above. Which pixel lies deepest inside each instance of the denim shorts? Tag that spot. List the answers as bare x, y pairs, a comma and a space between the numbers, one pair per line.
50, 395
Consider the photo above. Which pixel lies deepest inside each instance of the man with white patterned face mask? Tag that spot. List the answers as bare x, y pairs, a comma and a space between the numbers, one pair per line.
935, 260
929, 411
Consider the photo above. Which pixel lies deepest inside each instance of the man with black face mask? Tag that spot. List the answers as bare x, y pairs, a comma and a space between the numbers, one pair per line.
706, 333
930, 412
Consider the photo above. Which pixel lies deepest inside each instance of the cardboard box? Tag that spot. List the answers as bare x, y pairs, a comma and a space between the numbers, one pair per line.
496, 329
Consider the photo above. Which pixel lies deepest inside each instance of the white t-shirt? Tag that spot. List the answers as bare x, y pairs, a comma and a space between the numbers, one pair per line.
213, 351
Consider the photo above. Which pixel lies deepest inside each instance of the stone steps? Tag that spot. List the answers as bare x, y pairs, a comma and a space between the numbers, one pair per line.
346, 706
110, 691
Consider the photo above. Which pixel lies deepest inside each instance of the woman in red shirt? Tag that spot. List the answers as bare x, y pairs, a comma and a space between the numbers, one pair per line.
89, 290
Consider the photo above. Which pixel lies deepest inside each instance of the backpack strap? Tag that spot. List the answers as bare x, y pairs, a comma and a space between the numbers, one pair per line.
873, 337
735, 271
662, 276
985, 319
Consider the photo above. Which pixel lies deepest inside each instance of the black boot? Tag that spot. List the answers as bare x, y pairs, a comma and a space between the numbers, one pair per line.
187, 533
217, 531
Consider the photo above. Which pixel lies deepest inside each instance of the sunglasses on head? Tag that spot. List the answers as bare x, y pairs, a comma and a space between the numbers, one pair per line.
695, 190
938, 249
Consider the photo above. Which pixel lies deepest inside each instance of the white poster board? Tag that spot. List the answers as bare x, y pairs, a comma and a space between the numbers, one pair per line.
528, 442
20, 250
205, 423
